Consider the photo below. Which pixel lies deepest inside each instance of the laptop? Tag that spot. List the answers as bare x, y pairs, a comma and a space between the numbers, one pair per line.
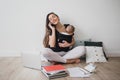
31, 59
34, 60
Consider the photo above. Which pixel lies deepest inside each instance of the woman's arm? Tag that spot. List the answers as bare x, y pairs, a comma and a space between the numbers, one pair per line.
52, 38
73, 42
66, 44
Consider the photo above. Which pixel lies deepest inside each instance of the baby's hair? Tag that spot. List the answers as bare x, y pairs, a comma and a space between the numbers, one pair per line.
73, 28
66, 25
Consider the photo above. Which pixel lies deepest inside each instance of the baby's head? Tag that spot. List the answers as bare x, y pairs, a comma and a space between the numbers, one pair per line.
70, 29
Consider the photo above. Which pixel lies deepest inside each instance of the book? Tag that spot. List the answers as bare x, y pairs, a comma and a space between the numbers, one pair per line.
56, 75
53, 68
54, 71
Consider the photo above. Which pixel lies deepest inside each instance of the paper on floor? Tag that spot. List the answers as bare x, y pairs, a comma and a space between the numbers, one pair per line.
90, 67
78, 72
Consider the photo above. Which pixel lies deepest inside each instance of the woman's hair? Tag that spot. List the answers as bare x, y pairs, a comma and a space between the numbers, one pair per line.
48, 31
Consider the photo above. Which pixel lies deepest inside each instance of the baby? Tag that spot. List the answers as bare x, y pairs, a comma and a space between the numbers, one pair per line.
68, 35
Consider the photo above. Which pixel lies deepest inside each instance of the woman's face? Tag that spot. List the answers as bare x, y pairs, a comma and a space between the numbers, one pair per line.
53, 19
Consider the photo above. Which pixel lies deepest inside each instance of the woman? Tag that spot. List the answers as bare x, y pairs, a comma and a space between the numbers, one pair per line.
56, 51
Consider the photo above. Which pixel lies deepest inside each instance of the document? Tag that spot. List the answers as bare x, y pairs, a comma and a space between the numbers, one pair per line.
78, 72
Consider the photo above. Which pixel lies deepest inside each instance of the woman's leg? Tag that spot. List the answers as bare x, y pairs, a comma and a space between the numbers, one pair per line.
75, 53
73, 56
53, 56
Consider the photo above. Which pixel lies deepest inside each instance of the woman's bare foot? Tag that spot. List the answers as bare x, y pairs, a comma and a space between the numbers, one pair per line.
69, 61
53, 62
77, 61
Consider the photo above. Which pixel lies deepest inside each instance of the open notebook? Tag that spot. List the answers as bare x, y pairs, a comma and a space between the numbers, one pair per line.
82, 72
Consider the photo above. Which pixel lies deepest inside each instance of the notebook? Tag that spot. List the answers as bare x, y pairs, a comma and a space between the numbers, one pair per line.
53, 68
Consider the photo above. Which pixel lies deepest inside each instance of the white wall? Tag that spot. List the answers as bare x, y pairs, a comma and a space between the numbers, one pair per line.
22, 23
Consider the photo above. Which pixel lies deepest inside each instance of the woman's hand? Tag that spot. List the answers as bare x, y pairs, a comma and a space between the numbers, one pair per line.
51, 27
64, 44
52, 37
